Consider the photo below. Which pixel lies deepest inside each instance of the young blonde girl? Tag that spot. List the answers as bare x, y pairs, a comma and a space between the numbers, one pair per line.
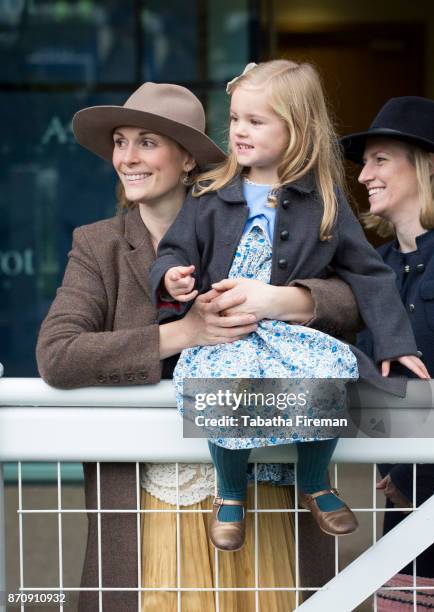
274, 211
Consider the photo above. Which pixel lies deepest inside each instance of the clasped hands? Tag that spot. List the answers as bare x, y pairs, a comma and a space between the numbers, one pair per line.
252, 298
240, 296
227, 312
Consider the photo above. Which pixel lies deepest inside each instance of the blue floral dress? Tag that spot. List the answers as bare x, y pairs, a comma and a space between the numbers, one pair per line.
276, 350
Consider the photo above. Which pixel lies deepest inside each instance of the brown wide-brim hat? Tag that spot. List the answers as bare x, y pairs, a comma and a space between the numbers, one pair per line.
171, 110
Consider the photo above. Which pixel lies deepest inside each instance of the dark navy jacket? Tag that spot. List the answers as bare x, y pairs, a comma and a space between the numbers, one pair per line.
208, 229
415, 282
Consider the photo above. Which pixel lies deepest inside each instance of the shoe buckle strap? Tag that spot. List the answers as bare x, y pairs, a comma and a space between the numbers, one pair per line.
220, 501
323, 492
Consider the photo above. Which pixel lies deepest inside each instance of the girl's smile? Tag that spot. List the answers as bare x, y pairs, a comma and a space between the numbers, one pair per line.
243, 147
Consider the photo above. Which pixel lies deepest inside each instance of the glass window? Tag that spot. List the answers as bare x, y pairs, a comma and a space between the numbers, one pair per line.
171, 36
49, 186
229, 50
56, 41
62, 55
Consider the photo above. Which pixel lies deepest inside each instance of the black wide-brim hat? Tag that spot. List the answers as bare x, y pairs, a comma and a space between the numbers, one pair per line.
409, 119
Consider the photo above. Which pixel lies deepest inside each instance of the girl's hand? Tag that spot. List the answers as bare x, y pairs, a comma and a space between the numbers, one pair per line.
243, 295
205, 325
179, 283
411, 362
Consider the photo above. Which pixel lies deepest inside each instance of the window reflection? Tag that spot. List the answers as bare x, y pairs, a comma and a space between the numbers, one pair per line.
59, 56
46, 41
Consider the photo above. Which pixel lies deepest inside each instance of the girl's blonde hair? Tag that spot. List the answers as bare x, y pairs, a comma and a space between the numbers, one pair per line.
296, 96
423, 163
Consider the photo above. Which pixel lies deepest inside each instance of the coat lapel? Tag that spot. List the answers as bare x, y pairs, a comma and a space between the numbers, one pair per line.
142, 255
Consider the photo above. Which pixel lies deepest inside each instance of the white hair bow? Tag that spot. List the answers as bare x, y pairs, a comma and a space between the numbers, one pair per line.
246, 69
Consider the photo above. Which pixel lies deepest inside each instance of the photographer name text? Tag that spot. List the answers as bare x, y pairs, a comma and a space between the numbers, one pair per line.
275, 421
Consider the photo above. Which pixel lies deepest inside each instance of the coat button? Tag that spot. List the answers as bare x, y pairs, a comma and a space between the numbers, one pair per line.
420, 267
419, 354
114, 377
284, 235
285, 204
142, 374
282, 263
101, 378
411, 307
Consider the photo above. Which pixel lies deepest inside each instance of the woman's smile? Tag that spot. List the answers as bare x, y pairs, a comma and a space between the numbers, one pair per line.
149, 165
136, 178
389, 177
373, 191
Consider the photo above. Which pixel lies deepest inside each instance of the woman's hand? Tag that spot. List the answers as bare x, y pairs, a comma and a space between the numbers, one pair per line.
243, 295
411, 362
263, 300
392, 493
206, 326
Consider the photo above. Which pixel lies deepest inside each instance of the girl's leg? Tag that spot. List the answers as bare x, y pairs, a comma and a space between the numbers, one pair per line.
331, 514
313, 462
231, 466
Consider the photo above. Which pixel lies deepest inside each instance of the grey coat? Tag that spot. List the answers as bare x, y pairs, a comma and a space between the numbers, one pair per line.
208, 229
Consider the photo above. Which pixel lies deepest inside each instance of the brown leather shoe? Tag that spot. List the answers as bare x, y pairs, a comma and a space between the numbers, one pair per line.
227, 536
336, 522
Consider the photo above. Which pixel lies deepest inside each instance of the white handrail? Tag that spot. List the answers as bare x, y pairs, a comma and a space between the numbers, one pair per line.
139, 423
35, 392
39, 423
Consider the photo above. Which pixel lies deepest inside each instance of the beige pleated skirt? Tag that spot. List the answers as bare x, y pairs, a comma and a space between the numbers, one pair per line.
197, 567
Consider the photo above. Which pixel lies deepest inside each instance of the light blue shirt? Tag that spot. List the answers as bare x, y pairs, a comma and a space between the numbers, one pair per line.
259, 212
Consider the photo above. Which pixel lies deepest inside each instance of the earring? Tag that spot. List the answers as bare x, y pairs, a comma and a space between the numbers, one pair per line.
186, 179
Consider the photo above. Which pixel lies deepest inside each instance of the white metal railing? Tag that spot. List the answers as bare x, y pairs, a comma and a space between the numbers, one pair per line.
39, 423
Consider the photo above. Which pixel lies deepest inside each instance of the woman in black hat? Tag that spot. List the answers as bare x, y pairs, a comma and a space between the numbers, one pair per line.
397, 153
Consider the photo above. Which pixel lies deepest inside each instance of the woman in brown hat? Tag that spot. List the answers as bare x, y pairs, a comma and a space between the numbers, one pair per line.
101, 330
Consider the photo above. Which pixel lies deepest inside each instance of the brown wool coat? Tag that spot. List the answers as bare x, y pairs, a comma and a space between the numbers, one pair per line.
101, 330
